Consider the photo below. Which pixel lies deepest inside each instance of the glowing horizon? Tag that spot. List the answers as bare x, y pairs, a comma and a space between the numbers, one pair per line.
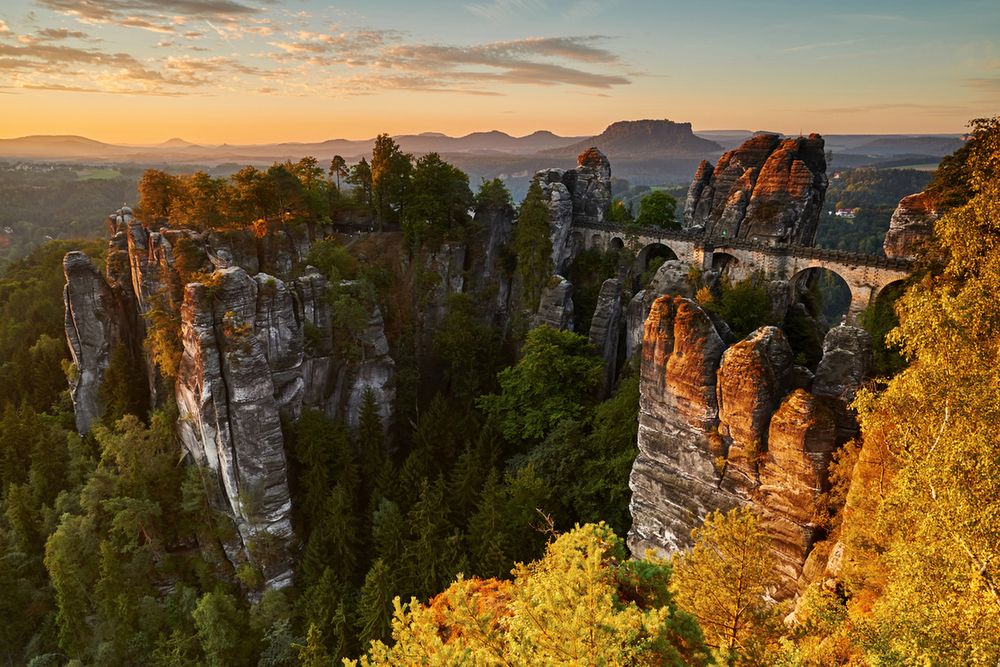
231, 71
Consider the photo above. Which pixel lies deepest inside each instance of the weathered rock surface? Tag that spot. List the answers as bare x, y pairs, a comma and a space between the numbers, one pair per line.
768, 190
845, 364
671, 278
719, 429
579, 195
91, 332
257, 346
674, 479
752, 380
793, 472
555, 308
912, 223
229, 417
606, 330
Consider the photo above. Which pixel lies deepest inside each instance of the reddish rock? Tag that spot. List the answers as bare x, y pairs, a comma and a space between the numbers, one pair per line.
911, 225
752, 380
793, 472
768, 190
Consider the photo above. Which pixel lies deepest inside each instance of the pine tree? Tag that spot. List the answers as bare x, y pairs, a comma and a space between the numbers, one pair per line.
375, 604
429, 554
334, 541
487, 536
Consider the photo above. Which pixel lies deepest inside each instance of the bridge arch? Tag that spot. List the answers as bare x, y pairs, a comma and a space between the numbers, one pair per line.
652, 251
826, 292
616, 244
597, 241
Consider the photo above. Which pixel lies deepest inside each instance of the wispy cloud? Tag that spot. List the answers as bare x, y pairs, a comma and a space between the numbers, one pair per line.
930, 109
819, 45
506, 8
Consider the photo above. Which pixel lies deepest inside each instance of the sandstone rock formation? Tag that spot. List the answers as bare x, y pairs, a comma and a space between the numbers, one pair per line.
606, 330
724, 427
671, 278
768, 190
910, 226
674, 479
793, 472
752, 379
577, 195
91, 332
229, 415
555, 308
256, 347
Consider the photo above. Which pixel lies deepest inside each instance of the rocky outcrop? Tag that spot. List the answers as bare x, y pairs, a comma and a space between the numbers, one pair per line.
494, 223
575, 196
606, 330
720, 428
256, 347
674, 479
769, 190
229, 415
671, 278
91, 332
846, 363
793, 473
752, 380
912, 223
555, 308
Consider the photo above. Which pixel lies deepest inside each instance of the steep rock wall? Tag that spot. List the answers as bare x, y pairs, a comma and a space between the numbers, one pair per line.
724, 427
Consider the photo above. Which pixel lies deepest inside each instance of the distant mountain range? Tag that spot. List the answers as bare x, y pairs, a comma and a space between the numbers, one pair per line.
643, 151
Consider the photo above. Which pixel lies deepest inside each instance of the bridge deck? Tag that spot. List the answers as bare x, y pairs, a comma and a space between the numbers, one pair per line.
718, 243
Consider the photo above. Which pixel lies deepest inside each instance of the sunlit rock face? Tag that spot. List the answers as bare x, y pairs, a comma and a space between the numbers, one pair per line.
721, 427
575, 196
912, 223
769, 190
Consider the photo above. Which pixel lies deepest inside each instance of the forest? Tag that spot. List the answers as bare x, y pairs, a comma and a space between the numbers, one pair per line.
486, 524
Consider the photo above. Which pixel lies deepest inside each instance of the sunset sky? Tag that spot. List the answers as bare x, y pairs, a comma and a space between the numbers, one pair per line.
257, 71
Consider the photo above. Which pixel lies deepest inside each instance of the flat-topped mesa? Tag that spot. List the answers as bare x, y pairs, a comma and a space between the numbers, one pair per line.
911, 225
769, 190
575, 196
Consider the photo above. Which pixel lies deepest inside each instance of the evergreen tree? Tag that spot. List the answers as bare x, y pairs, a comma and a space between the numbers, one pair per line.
375, 604
488, 531
334, 541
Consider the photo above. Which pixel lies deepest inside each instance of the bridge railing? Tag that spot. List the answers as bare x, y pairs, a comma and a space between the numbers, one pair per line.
720, 243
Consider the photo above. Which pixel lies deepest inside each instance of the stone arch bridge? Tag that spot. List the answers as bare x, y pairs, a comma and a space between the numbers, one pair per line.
865, 275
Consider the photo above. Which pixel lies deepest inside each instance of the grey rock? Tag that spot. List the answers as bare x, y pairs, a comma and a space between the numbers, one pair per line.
555, 308
91, 332
606, 330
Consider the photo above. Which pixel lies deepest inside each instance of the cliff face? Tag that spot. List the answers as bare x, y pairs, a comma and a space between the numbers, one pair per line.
578, 196
911, 225
256, 347
91, 333
768, 190
723, 427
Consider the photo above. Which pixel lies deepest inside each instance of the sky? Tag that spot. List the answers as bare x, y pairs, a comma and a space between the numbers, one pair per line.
261, 71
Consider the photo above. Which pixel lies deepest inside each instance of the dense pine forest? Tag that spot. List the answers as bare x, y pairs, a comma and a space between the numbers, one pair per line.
486, 523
